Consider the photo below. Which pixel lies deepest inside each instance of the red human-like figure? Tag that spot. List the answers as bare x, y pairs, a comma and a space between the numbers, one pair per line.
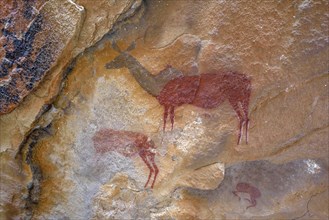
128, 144
208, 91
253, 192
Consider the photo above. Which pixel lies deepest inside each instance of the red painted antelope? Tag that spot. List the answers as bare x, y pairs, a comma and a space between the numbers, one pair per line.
128, 144
173, 89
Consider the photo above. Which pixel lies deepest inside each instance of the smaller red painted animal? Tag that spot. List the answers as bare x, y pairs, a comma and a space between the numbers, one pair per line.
253, 192
128, 144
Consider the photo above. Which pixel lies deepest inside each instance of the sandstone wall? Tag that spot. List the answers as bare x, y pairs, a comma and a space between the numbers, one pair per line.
85, 87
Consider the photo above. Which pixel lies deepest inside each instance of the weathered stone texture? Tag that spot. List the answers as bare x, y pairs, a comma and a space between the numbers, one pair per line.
101, 17
120, 85
61, 25
29, 57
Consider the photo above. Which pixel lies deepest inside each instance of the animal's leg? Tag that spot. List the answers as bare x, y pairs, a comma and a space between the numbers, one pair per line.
143, 155
240, 130
247, 127
237, 109
165, 115
253, 203
236, 194
245, 107
156, 170
246, 120
172, 116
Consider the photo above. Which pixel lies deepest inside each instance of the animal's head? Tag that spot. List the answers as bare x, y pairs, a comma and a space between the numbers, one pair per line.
119, 61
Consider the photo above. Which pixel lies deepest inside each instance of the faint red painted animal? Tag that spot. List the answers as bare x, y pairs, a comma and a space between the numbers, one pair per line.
253, 192
208, 91
128, 144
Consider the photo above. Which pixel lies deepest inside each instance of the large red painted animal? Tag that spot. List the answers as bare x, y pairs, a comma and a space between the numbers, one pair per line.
208, 91
128, 144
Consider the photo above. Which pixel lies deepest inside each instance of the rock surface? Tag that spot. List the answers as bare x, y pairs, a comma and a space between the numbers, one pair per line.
17, 125
47, 143
29, 57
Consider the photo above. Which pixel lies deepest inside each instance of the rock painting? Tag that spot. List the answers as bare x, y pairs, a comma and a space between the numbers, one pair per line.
128, 144
253, 192
207, 90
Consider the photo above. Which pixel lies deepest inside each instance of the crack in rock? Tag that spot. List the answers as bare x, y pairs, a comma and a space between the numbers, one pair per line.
34, 187
307, 206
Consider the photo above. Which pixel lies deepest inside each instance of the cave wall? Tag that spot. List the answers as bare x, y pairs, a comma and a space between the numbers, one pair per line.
164, 109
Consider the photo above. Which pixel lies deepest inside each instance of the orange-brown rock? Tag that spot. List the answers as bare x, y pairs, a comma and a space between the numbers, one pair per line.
204, 173
66, 20
29, 56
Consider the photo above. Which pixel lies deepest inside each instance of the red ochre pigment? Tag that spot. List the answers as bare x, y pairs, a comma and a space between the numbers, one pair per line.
208, 91
128, 144
253, 192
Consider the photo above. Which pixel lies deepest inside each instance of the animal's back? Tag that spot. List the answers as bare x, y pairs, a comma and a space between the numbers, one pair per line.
179, 91
215, 88
124, 142
211, 92
247, 188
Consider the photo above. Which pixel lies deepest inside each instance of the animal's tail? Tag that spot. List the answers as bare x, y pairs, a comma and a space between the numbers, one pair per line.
245, 106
